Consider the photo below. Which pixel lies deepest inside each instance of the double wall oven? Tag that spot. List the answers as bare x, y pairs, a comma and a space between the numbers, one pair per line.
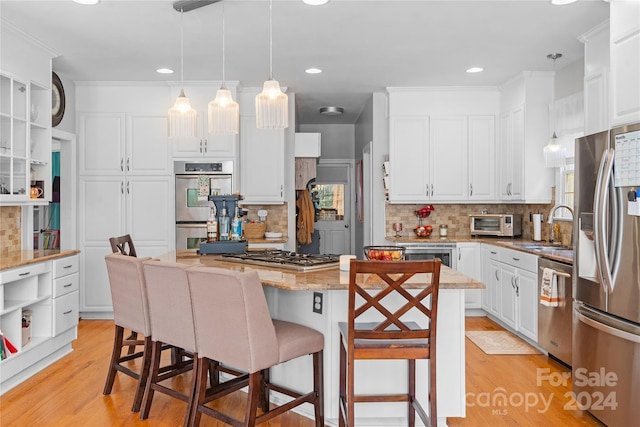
192, 206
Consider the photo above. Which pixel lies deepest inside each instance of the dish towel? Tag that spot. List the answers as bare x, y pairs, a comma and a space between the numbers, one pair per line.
203, 187
549, 289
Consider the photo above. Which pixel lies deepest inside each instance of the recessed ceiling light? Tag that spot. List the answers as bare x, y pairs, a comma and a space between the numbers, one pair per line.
331, 111
313, 70
164, 71
315, 2
561, 2
475, 70
88, 2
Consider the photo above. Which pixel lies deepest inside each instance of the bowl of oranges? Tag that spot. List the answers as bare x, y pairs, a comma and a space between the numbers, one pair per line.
384, 253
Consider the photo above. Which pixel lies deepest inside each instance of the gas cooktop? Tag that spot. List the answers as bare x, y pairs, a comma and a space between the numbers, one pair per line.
285, 259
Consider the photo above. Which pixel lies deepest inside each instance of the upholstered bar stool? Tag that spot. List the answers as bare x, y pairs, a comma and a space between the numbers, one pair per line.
171, 320
124, 245
130, 311
246, 337
393, 335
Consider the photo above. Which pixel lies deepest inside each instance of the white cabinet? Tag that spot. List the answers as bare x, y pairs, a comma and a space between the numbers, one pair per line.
25, 119
25, 141
48, 292
625, 62
468, 263
125, 187
482, 158
261, 163
308, 144
511, 154
119, 143
491, 280
524, 131
204, 144
512, 285
408, 158
596, 78
441, 158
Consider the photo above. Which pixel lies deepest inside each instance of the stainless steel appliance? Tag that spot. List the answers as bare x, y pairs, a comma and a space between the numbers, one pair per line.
606, 322
192, 208
285, 259
420, 251
503, 225
555, 323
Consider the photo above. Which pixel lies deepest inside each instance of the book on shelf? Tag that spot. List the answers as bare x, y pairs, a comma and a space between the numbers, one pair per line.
7, 348
50, 239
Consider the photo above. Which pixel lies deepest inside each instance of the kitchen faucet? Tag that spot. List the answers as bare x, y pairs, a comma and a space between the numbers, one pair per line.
551, 218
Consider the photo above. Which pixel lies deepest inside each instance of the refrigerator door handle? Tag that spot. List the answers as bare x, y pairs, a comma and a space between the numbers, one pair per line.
628, 336
600, 228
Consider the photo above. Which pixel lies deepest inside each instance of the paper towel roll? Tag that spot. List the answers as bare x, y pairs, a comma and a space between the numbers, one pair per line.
345, 260
537, 227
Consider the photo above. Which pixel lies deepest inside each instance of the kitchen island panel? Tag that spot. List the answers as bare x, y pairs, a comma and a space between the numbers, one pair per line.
373, 376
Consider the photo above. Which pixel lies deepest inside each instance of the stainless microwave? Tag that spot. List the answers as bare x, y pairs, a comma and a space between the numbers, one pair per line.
503, 225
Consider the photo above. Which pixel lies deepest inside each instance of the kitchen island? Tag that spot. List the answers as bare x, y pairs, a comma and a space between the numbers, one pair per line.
293, 295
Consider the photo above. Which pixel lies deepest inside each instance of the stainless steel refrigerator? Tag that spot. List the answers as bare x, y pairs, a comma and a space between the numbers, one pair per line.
606, 286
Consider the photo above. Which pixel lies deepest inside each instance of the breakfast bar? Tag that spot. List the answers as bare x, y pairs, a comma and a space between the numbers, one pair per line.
318, 299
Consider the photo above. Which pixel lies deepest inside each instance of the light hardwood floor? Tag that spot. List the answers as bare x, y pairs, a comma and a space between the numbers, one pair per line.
69, 392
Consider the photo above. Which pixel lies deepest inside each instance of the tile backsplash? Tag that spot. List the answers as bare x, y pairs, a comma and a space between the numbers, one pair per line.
10, 235
277, 220
456, 217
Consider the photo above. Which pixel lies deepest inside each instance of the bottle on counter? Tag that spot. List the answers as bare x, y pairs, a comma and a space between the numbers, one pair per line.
236, 225
224, 222
212, 226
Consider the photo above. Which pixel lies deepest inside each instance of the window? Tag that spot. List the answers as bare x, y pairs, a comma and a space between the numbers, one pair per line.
565, 188
328, 200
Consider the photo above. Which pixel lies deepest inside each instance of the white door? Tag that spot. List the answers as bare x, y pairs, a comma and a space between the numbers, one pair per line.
331, 194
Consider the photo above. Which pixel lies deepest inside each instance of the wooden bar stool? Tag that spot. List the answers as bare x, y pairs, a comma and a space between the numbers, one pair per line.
394, 334
234, 327
123, 244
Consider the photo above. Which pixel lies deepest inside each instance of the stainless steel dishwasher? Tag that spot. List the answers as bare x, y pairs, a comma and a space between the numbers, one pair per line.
555, 324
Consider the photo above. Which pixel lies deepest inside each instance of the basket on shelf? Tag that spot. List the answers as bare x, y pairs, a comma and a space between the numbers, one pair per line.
254, 230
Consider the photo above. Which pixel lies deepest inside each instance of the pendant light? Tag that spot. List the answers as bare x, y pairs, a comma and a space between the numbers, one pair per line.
554, 152
182, 118
272, 106
223, 110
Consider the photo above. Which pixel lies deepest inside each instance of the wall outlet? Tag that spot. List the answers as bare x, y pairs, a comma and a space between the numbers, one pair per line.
317, 302
17, 222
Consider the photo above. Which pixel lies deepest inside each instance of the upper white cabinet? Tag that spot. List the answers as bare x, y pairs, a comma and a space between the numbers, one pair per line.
625, 61
204, 144
442, 145
596, 78
25, 120
308, 144
408, 158
261, 163
524, 131
119, 143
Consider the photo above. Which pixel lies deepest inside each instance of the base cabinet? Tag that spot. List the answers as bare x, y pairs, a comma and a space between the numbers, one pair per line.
468, 262
45, 295
511, 294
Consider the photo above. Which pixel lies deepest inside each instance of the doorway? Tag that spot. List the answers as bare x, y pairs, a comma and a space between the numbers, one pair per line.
331, 195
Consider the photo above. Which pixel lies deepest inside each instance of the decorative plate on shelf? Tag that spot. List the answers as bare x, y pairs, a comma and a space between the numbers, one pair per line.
57, 100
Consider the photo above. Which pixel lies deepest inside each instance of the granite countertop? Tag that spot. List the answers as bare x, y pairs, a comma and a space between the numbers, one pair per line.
317, 280
543, 249
21, 258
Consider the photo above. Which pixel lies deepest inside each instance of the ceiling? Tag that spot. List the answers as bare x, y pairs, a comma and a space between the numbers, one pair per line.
362, 46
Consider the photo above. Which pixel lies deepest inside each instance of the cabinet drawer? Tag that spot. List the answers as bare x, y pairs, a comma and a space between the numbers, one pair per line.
65, 312
493, 252
20, 273
64, 266
519, 259
66, 284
